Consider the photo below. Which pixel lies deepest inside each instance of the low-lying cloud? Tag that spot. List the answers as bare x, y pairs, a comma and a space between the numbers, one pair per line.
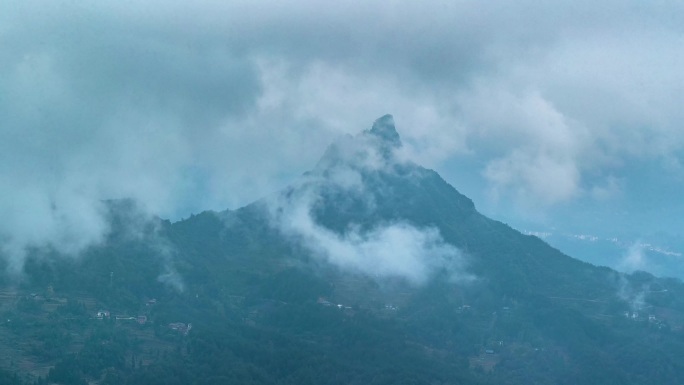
396, 249
634, 259
634, 296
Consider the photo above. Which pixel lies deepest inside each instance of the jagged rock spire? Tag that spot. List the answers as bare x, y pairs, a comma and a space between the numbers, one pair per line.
382, 139
384, 129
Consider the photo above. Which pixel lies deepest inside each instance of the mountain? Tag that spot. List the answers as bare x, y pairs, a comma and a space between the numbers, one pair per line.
658, 254
368, 269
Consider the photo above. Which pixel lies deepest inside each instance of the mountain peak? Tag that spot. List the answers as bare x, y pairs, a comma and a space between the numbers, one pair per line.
367, 147
384, 129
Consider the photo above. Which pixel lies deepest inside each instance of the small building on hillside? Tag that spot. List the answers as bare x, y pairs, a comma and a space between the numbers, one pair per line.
102, 314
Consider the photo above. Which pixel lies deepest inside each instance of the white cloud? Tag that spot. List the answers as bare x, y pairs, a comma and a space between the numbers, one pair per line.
541, 177
634, 259
212, 104
388, 250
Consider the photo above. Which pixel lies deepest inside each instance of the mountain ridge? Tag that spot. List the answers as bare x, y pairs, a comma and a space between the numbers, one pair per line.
367, 269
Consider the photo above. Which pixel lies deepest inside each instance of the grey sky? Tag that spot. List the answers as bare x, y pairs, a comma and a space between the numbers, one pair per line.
562, 107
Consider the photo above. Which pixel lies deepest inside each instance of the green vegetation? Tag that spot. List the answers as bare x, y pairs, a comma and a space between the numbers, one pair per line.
223, 298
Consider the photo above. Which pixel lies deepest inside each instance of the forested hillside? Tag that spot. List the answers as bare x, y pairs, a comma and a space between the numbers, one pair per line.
367, 270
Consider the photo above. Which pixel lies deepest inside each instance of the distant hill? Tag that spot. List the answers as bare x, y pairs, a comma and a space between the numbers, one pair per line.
658, 254
368, 269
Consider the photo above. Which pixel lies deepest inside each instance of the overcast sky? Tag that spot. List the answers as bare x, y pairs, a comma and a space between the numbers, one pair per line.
564, 112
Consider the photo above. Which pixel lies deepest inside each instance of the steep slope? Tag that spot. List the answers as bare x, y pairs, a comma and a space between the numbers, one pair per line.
369, 269
497, 286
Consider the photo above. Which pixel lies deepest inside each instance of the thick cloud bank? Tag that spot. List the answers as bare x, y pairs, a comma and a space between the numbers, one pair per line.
210, 104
